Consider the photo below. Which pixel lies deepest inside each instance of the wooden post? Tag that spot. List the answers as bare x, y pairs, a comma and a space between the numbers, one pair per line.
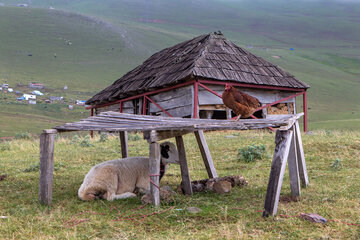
154, 169
186, 183
205, 153
294, 168
124, 143
47, 139
281, 153
301, 157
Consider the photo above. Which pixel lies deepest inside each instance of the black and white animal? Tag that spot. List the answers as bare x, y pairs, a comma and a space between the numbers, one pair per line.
117, 179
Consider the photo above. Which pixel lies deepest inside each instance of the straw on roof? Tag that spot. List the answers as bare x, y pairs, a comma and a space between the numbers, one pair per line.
208, 56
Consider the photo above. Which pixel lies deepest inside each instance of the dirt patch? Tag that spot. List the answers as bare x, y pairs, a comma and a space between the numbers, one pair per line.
288, 199
2, 177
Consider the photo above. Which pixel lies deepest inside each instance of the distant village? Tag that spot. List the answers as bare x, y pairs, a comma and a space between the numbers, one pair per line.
34, 93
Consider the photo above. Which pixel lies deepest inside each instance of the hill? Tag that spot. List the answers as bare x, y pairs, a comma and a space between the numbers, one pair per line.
57, 49
325, 36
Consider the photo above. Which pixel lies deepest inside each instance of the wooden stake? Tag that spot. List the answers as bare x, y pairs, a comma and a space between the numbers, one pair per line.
205, 153
186, 183
154, 169
281, 153
47, 139
301, 157
124, 143
293, 168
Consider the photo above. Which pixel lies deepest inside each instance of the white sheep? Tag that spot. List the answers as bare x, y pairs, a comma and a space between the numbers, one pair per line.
117, 179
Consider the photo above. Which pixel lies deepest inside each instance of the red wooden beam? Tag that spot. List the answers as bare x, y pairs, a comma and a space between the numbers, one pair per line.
142, 95
92, 132
251, 85
196, 93
279, 101
158, 106
305, 111
210, 90
144, 105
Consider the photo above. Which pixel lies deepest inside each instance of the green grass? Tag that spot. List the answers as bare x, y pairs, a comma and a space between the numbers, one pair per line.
332, 193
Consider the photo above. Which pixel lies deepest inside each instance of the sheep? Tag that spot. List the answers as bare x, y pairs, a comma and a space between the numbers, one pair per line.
117, 179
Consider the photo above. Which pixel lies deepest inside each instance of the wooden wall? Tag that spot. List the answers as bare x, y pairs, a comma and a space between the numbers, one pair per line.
179, 102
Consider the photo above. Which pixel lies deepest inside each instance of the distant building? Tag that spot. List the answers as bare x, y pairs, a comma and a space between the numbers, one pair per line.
5, 85
32, 101
29, 97
54, 99
80, 102
22, 5
71, 107
18, 93
65, 87
38, 93
36, 85
10, 90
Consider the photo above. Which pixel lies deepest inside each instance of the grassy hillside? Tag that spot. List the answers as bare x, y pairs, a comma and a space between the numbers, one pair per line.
55, 48
333, 192
325, 35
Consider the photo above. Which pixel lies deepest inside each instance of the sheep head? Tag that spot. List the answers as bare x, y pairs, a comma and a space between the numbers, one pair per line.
169, 153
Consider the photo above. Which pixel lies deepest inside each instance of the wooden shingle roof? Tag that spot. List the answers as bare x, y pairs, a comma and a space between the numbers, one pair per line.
208, 56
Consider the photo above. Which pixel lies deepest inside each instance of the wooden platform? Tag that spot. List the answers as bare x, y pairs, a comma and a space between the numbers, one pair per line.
288, 146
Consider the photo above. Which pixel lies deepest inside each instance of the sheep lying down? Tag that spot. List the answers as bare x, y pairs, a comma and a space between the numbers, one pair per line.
117, 179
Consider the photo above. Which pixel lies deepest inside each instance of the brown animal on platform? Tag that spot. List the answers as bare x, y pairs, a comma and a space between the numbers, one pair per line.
242, 104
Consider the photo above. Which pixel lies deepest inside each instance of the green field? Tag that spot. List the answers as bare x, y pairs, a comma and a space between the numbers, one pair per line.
109, 38
333, 192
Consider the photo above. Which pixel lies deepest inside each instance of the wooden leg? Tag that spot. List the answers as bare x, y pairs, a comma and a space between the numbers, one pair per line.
47, 139
124, 143
204, 149
294, 168
301, 157
154, 172
186, 183
281, 153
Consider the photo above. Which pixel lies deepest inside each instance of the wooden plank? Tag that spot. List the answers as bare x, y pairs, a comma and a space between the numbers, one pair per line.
281, 153
301, 157
47, 139
293, 168
154, 169
155, 136
124, 143
186, 182
205, 153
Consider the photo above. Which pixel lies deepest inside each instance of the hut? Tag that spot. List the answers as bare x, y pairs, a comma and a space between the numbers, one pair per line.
187, 80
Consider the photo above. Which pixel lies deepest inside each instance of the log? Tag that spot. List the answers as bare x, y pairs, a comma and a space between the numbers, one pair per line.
281, 153
47, 139
293, 169
301, 157
124, 143
154, 172
207, 184
205, 153
186, 183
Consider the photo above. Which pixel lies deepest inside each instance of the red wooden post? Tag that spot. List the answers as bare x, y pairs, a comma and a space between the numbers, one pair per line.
305, 111
92, 132
121, 107
196, 92
144, 105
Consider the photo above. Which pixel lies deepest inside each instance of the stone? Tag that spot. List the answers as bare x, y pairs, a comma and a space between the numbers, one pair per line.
166, 195
313, 217
193, 210
222, 187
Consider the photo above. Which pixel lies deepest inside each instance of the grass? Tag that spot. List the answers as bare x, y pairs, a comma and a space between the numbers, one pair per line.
332, 193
